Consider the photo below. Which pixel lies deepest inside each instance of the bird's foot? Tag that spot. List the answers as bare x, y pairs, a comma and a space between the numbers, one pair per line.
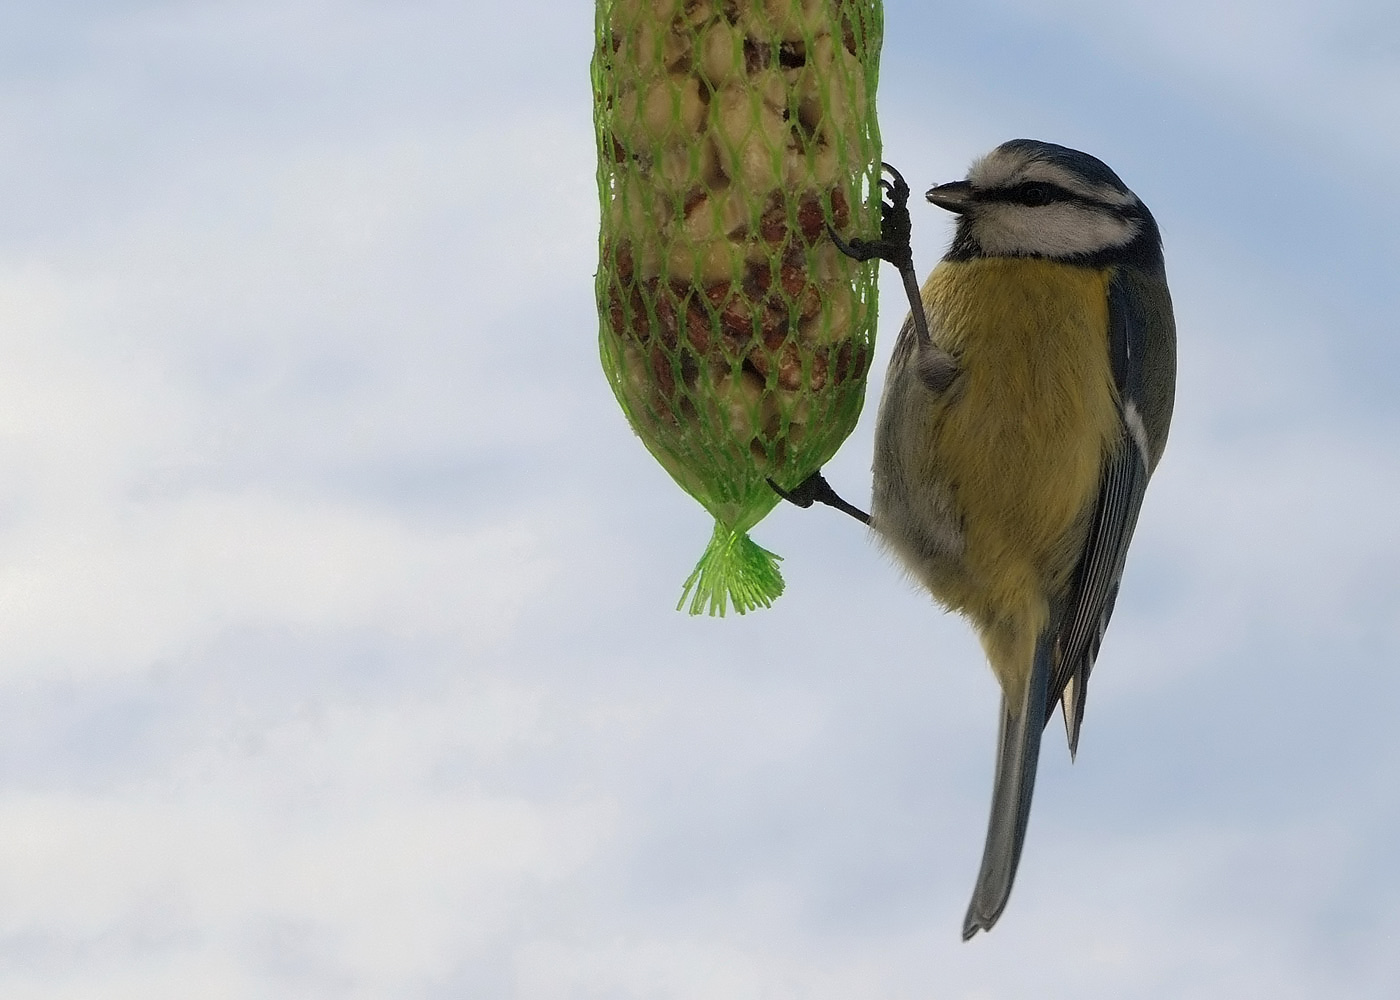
815, 489
895, 227
894, 246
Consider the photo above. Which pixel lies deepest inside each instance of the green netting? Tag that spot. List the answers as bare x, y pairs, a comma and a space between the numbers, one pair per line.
734, 333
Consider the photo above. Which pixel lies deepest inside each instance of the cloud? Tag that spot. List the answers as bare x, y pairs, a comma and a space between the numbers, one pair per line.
336, 596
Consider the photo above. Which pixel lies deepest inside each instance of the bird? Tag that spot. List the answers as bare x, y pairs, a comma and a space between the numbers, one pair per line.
1026, 405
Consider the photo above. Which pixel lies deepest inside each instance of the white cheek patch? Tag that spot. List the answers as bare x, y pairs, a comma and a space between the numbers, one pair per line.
1060, 229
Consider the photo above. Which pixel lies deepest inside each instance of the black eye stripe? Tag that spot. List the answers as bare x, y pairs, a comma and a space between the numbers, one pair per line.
1033, 193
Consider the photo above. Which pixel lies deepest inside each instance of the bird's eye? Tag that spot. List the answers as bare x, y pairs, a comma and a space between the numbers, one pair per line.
1036, 195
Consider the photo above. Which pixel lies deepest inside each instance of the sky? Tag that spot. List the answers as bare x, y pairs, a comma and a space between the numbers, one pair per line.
338, 651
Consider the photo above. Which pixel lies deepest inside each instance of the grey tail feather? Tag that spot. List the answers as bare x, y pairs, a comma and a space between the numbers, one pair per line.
1018, 753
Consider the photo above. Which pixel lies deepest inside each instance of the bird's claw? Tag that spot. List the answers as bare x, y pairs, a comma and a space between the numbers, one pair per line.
855, 248
797, 497
898, 188
895, 227
815, 489
894, 246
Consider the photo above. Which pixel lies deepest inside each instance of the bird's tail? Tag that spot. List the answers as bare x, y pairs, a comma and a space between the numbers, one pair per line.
1018, 752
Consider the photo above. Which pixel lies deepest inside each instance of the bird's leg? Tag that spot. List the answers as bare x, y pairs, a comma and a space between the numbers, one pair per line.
937, 368
815, 489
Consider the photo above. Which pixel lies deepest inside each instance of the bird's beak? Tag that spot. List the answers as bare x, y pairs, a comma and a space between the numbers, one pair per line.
955, 196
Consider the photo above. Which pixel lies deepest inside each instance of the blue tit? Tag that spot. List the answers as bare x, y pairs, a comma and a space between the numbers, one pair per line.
1022, 416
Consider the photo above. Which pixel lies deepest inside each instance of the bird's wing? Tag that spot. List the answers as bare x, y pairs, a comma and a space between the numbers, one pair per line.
1121, 487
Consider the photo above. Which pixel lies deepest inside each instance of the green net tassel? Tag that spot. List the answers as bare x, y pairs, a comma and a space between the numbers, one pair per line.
734, 569
731, 135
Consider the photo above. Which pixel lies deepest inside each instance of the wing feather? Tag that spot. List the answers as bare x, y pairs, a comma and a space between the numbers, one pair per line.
1089, 605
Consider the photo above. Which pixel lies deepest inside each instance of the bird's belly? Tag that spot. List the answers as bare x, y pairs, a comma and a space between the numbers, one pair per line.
1009, 458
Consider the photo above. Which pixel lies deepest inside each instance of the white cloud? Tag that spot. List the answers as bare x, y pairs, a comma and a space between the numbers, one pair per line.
335, 597
146, 585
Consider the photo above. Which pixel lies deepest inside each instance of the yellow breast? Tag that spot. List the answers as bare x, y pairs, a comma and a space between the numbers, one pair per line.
1022, 439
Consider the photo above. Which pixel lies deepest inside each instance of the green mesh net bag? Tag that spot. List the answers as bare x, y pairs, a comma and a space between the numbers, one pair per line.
736, 336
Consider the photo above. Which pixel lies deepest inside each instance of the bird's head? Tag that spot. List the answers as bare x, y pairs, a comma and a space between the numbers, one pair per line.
1028, 198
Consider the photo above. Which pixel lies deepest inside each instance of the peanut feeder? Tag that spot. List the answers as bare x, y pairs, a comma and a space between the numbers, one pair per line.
731, 134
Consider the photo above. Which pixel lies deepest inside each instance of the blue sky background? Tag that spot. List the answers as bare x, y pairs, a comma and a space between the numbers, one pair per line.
337, 651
